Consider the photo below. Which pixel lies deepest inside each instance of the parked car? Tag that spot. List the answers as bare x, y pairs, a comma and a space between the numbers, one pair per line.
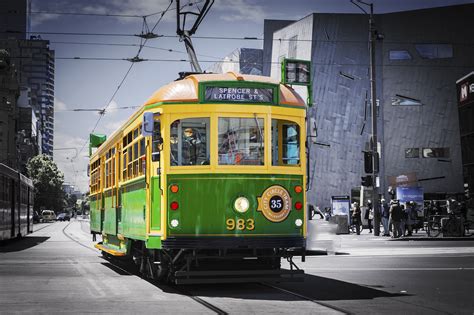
63, 217
48, 215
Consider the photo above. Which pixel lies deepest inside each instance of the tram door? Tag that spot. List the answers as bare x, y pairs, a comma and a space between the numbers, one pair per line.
151, 130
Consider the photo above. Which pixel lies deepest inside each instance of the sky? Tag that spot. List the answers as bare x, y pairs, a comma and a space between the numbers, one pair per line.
100, 83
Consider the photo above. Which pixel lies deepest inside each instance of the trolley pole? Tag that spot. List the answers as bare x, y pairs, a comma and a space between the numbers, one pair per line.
373, 105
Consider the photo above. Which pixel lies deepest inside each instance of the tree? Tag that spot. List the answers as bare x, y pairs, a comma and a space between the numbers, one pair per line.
48, 181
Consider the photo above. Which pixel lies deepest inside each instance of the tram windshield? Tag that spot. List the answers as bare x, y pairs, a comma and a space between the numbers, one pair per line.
241, 141
189, 142
285, 143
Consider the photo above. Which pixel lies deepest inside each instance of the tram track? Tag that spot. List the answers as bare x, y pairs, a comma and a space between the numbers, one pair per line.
126, 269
43, 227
130, 270
75, 240
301, 296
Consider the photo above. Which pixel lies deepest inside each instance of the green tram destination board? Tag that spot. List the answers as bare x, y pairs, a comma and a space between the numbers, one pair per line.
238, 94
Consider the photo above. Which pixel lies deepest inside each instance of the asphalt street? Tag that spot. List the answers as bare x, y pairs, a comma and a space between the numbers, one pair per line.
57, 270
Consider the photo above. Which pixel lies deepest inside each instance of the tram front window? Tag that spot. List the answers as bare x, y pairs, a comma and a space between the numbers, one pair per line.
189, 142
285, 143
241, 141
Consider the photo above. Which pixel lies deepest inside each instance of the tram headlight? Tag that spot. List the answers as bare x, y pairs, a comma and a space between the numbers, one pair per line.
174, 223
241, 204
298, 222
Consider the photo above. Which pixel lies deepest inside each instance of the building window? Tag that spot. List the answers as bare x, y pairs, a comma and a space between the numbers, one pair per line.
436, 152
399, 55
292, 46
401, 100
435, 51
411, 153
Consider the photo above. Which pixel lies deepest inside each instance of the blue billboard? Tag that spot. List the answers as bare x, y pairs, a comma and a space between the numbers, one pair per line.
407, 194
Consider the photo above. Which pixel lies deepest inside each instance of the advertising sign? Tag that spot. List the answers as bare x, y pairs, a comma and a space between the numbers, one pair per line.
407, 194
238, 94
465, 89
403, 180
340, 210
341, 205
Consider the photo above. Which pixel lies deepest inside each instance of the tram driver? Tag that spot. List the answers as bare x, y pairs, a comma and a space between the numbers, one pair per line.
194, 152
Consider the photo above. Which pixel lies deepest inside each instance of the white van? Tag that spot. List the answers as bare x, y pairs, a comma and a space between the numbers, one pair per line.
48, 215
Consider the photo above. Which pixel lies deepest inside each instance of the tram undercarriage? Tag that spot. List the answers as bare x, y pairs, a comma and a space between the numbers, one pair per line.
223, 265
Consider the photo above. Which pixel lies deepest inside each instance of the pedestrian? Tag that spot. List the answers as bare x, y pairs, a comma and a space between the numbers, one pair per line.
94, 237
403, 221
385, 215
356, 217
369, 214
395, 218
409, 218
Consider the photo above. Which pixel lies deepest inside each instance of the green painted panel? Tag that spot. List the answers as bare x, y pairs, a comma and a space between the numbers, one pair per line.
133, 210
95, 215
110, 219
153, 242
206, 203
155, 203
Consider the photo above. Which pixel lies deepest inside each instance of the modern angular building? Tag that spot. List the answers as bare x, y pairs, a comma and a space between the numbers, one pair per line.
465, 93
242, 60
419, 56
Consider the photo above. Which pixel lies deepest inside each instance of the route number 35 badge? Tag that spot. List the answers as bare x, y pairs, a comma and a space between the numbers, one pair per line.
275, 203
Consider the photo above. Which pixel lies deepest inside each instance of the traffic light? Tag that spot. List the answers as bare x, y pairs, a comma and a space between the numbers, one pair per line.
369, 166
367, 181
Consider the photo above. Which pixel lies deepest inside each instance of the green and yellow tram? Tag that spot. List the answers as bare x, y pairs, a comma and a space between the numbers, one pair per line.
206, 181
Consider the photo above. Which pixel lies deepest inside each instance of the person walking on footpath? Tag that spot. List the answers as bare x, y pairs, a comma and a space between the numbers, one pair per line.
395, 218
356, 217
385, 215
369, 214
411, 217
403, 222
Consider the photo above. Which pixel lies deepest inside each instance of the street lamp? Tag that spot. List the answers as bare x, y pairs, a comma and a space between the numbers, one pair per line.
373, 138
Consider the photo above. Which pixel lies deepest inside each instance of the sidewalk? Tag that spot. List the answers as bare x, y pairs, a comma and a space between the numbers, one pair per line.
322, 239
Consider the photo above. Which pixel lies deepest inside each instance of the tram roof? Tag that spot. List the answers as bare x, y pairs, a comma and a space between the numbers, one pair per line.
186, 90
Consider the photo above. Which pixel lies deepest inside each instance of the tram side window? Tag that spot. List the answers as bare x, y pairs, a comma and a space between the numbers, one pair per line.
241, 141
285, 143
189, 142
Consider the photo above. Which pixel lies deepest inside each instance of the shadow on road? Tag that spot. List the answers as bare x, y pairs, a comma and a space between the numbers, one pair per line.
327, 289
17, 245
314, 287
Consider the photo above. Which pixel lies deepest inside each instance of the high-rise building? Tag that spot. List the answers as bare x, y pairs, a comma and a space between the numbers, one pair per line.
34, 61
419, 56
9, 92
14, 19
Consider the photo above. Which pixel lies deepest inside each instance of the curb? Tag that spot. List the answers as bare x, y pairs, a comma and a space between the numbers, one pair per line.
425, 238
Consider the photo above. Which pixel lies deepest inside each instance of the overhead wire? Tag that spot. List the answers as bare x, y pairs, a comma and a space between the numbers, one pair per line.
249, 38
102, 113
269, 62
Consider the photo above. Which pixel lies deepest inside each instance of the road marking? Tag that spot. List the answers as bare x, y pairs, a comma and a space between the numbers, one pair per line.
406, 251
393, 269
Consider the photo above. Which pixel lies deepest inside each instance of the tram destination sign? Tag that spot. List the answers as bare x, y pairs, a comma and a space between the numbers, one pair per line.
238, 94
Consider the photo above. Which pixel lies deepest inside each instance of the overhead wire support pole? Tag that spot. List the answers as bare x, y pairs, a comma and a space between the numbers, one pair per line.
373, 107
